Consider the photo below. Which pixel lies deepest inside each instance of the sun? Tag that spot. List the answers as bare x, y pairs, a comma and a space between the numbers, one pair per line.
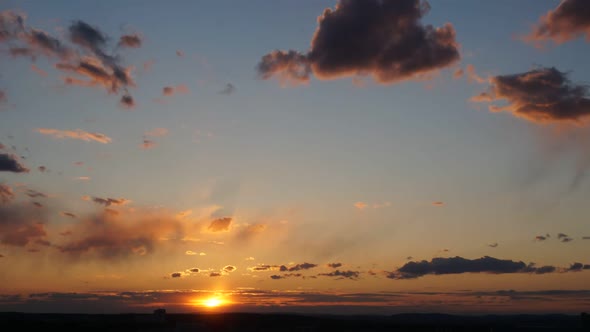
212, 302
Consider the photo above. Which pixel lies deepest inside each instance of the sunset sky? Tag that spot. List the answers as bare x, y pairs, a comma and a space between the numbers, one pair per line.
352, 156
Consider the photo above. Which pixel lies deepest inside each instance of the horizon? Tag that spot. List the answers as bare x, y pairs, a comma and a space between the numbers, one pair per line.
336, 157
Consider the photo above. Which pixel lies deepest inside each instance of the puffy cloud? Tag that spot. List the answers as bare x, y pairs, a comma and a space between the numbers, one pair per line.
342, 274
109, 237
76, 134
570, 20
335, 265
228, 89
10, 163
577, 267
107, 201
220, 224
6, 194
542, 95
457, 265
383, 39
133, 41
229, 268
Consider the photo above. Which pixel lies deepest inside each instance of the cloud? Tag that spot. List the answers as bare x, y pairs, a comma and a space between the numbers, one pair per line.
6, 194
298, 267
194, 270
107, 201
35, 194
383, 39
360, 205
334, 265
38, 71
264, 267
472, 75
20, 225
3, 98
220, 225
570, 20
68, 214
127, 102
438, 203
148, 144
229, 268
190, 253
176, 275
540, 238
458, 265
10, 163
577, 267
564, 238
493, 245
76, 134
542, 95
172, 90
228, 89
585, 237
132, 41
107, 237
342, 274
179, 53
42, 169
215, 274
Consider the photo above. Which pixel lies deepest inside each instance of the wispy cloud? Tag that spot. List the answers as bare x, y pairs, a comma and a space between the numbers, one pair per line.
76, 134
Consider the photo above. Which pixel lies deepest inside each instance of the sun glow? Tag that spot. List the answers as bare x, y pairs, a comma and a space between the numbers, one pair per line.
212, 302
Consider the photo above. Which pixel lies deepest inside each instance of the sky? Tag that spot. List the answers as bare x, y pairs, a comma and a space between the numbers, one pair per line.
295, 156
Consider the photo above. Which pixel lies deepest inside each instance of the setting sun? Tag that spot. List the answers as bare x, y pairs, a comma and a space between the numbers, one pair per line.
213, 302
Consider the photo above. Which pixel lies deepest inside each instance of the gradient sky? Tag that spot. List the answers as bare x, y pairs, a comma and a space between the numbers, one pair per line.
257, 169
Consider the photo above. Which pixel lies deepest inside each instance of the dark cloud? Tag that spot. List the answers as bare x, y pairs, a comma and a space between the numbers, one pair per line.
20, 225
493, 245
298, 267
585, 237
577, 267
540, 238
570, 20
35, 194
176, 275
85, 35
215, 274
276, 277
133, 41
381, 38
342, 274
10, 163
335, 265
108, 201
11, 24
457, 265
194, 270
6, 194
47, 45
542, 95
564, 238
42, 169
127, 101
172, 90
220, 224
228, 89
229, 268
68, 214
561, 236
264, 267
37, 204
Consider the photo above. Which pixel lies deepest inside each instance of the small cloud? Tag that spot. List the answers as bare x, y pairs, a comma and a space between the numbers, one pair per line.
148, 144
176, 275
297, 267
6, 194
11, 163
75, 134
68, 214
569, 20
127, 102
220, 225
42, 169
156, 132
228, 89
132, 41
215, 274
107, 201
38, 71
540, 238
493, 245
82, 178
360, 205
190, 253
194, 270
229, 268
35, 194
173, 90
438, 203
342, 274
179, 53
249, 258
334, 265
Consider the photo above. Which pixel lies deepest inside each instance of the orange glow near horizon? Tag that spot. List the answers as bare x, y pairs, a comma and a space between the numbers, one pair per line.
211, 302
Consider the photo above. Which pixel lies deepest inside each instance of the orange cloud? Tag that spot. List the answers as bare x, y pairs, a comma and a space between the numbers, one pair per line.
568, 21
75, 134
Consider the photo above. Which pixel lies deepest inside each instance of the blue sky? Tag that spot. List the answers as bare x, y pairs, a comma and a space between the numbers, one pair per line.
298, 159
